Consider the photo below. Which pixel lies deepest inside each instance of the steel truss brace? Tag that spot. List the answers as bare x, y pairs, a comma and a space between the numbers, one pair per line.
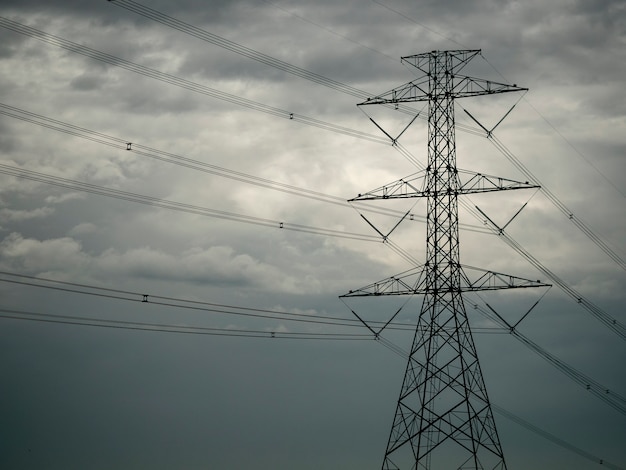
414, 282
469, 183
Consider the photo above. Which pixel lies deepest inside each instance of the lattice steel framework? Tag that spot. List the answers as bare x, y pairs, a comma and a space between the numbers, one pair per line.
443, 418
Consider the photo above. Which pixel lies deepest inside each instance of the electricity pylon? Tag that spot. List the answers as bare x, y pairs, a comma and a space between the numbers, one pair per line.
443, 418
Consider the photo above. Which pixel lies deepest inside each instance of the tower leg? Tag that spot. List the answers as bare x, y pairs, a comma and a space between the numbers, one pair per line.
443, 419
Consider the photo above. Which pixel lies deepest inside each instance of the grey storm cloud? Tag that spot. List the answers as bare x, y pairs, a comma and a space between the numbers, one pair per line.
120, 186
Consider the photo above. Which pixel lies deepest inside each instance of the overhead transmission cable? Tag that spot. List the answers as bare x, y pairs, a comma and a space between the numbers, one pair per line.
123, 144
600, 391
177, 206
160, 155
180, 82
232, 46
184, 329
580, 378
172, 205
198, 88
173, 302
612, 323
584, 228
206, 36
614, 400
197, 305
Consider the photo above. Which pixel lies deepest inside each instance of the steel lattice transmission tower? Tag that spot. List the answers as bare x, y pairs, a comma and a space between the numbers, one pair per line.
443, 418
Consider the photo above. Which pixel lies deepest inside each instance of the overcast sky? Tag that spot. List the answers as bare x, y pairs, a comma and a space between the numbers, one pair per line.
89, 397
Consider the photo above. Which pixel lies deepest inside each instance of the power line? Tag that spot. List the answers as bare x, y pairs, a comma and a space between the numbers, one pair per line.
180, 82
197, 88
168, 157
206, 36
232, 46
185, 304
169, 328
196, 305
576, 150
121, 144
175, 302
177, 206
597, 389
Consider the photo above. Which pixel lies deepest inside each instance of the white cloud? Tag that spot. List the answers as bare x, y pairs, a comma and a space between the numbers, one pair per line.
16, 215
42, 256
63, 198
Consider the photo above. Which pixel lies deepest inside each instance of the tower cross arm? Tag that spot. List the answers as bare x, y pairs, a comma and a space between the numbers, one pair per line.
471, 183
400, 189
465, 86
414, 282
415, 90
408, 282
467, 183
484, 280
462, 87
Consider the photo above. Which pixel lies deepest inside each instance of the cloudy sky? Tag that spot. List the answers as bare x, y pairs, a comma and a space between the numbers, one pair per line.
249, 124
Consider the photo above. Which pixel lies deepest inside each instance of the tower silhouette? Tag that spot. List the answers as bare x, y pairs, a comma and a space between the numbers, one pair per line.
443, 418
